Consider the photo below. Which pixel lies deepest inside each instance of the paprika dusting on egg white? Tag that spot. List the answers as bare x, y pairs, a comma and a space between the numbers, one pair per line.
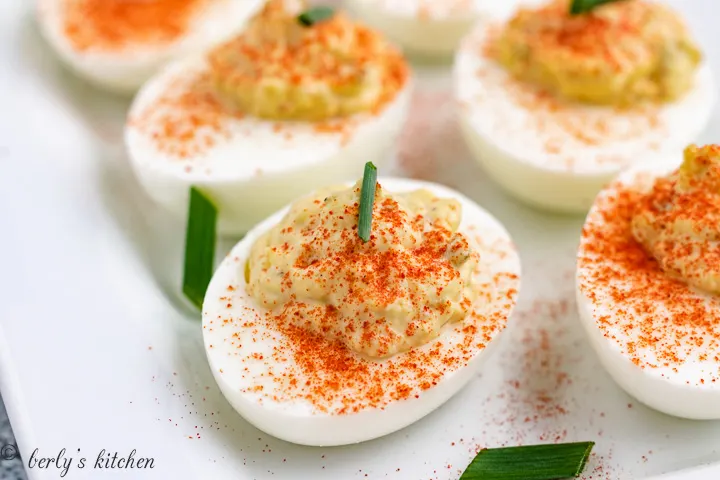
117, 25
323, 75
580, 92
648, 264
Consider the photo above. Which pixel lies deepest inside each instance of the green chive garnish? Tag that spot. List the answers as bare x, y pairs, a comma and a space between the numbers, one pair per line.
199, 247
532, 462
578, 7
367, 200
314, 15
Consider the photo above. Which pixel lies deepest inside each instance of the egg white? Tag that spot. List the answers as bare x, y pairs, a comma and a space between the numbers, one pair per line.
674, 389
124, 71
507, 139
257, 167
239, 352
436, 32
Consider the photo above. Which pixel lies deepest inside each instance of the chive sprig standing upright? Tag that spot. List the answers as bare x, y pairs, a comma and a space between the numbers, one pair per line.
367, 201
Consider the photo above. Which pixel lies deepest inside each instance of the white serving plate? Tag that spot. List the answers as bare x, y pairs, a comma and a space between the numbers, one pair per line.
97, 350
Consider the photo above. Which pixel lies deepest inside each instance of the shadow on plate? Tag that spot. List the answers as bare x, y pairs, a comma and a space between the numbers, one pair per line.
156, 236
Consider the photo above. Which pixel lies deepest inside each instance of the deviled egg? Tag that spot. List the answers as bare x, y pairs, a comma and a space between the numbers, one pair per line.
320, 338
427, 27
555, 105
279, 110
119, 44
648, 283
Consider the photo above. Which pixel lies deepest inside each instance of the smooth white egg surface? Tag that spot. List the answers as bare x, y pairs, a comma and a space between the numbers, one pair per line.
657, 337
427, 27
119, 44
304, 389
558, 155
180, 134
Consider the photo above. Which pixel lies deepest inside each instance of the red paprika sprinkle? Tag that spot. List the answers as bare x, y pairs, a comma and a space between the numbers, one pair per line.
657, 321
115, 25
305, 366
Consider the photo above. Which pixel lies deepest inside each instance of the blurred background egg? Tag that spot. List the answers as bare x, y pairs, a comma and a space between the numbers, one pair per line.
426, 27
119, 44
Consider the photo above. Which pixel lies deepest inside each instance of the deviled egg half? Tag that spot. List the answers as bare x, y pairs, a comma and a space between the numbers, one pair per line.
320, 338
428, 27
555, 105
648, 283
283, 108
119, 44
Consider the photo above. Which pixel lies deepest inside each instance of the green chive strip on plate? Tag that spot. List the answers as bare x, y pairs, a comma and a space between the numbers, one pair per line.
199, 247
578, 7
367, 200
315, 15
532, 462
